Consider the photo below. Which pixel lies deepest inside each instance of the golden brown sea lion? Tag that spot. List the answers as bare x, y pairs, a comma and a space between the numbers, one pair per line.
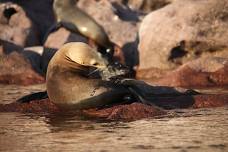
78, 77
74, 19
74, 78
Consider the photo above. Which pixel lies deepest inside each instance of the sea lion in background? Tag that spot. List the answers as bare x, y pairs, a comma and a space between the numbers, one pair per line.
74, 19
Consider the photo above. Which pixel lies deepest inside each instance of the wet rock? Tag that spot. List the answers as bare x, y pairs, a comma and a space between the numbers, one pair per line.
128, 112
204, 72
41, 106
120, 27
210, 101
15, 25
16, 69
183, 31
123, 112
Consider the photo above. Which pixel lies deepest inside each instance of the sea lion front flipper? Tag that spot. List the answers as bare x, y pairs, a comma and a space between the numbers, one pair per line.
33, 96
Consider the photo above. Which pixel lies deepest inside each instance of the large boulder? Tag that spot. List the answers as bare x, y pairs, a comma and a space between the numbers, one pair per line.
39, 12
19, 65
16, 26
183, 31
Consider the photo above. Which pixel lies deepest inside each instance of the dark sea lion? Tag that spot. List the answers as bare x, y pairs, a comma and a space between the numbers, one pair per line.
74, 19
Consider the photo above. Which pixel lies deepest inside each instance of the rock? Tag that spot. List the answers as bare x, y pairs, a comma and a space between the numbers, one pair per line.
16, 69
183, 31
122, 112
147, 6
16, 27
8, 47
129, 112
39, 12
61, 36
119, 25
204, 72
41, 106
152, 74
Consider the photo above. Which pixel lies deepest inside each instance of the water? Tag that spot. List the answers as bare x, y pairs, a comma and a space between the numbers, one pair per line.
190, 130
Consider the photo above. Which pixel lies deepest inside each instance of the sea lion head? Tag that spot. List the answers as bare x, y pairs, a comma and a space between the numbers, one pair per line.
78, 57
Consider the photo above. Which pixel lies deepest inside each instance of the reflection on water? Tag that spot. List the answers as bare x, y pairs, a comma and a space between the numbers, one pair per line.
190, 130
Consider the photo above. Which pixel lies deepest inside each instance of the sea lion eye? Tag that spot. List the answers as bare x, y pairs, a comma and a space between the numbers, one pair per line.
93, 62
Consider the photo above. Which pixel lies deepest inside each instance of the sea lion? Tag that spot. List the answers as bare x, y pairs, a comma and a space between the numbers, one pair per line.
74, 19
78, 77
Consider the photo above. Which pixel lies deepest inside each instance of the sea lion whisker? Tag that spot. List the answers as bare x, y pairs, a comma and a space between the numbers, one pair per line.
90, 73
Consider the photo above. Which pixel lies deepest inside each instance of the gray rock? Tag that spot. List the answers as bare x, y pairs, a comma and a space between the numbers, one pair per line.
183, 31
16, 26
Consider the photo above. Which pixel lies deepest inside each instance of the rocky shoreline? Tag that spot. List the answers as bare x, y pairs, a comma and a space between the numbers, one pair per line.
178, 43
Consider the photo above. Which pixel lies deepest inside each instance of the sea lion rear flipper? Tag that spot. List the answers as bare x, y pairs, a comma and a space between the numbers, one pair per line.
33, 96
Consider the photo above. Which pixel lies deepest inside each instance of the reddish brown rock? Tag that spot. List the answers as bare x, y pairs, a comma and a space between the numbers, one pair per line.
128, 112
16, 26
41, 106
15, 69
125, 112
210, 101
206, 72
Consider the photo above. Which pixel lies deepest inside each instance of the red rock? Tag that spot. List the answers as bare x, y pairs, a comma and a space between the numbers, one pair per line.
15, 69
127, 112
210, 101
204, 72
41, 106
16, 26
122, 112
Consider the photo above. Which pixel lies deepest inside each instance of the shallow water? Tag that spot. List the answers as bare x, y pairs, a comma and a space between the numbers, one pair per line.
187, 130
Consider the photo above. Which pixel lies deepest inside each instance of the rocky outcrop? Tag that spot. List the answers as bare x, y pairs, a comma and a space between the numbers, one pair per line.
122, 112
16, 26
205, 72
183, 31
16, 69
